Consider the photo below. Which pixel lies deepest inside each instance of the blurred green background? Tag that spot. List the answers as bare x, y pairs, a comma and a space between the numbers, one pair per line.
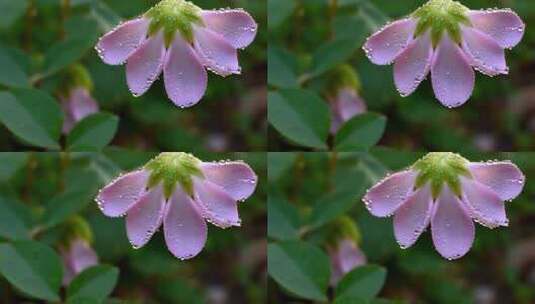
307, 38
40, 191
308, 192
40, 38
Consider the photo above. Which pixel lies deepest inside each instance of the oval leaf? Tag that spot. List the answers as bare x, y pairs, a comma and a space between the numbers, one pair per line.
32, 115
12, 225
93, 285
93, 132
283, 219
332, 53
11, 74
361, 132
301, 116
33, 268
301, 268
11, 11
363, 282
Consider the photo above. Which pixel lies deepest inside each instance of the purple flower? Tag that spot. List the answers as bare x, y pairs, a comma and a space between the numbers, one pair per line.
346, 105
447, 192
345, 257
449, 40
78, 105
180, 192
76, 258
181, 40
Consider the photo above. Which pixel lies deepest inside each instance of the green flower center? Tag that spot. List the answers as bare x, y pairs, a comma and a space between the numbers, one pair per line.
439, 169
172, 16
172, 168
440, 16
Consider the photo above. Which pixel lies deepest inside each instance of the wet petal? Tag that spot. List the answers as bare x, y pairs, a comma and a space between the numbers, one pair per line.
185, 77
216, 53
216, 205
504, 25
385, 197
145, 65
503, 177
412, 66
385, 45
235, 25
452, 228
484, 205
118, 196
236, 178
412, 218
82, 104
451, 74
145, 217
184, 229
485, 53
116, 46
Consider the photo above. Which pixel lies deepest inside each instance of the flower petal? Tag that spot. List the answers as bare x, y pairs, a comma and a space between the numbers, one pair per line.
452, 76
484, 205
82, 104
486, 54
235, 25
145, 217
344, 259
82, 256
236, 178
385, 45
184, 228
412, 218
216, 205
116, 46
145, 64
349, 104
503, 177
215, 52
412, 66
185, 77
504, 25
452, 228
121, 194
385, 197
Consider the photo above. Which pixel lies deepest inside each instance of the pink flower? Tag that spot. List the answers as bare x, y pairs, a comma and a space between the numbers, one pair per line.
180, 192
447, 192
344, 258
346, 105
76, 259
181, 40
449, 40
78, 105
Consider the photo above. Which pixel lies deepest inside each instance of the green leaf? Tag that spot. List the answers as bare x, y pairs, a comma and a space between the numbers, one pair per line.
283, 218
335, 204
301, 268
93, 285
281, 68
279, 10
82, 36
11, 11
363, 282
331, 54
11, 163
301, 116
361, 132
33, 268
350, 300
12, 225
11, 74
279, 163
32, 115
93, 132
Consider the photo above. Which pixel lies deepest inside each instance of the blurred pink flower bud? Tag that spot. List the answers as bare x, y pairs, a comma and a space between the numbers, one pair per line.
216, 189
346, 105
448, 194
76, 258
183, 50
449, 40
344, 258
78, 105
